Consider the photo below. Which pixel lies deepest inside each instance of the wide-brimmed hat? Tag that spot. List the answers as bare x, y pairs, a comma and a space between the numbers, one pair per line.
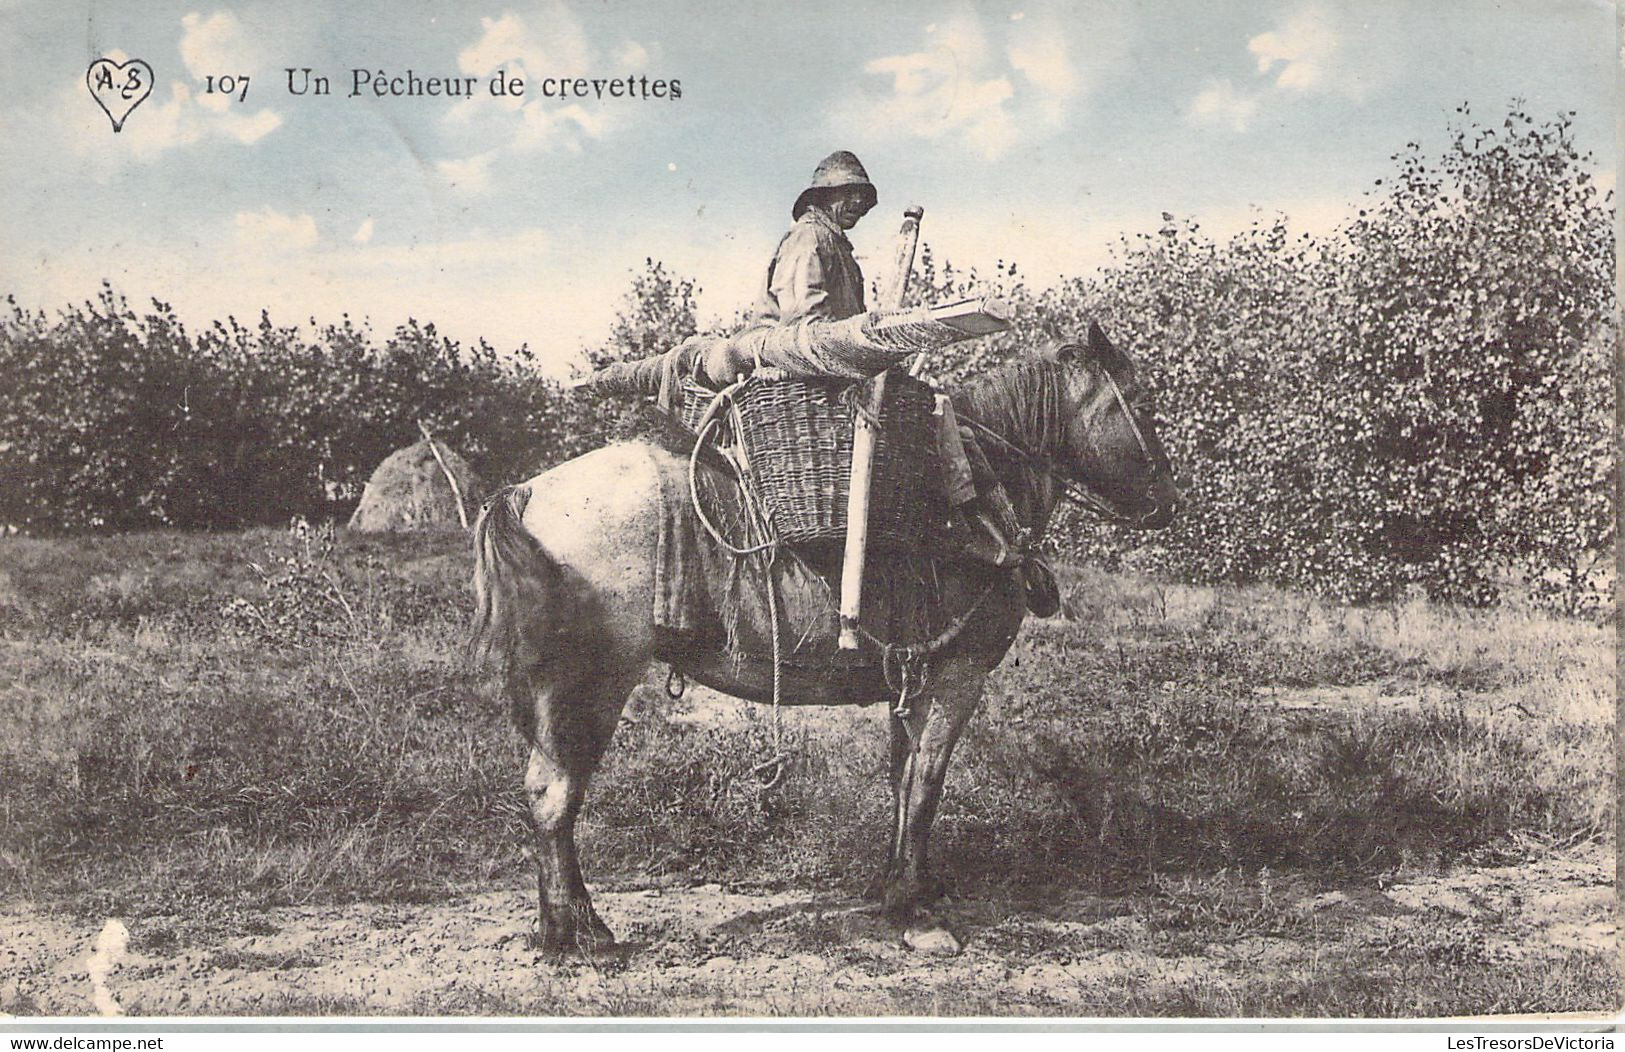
841, 168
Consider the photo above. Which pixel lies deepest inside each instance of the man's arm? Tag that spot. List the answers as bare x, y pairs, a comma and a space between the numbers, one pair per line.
798, 277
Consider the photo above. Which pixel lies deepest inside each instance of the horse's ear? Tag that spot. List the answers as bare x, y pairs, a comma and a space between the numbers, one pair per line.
1098, 341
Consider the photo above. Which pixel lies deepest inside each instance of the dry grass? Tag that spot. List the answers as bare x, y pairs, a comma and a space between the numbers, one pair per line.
188, 735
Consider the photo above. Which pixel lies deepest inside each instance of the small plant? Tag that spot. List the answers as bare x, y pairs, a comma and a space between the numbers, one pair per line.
305, 601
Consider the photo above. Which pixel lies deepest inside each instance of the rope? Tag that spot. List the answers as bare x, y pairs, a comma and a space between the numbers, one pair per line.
775, 766
778, 762
906, 666
708, 422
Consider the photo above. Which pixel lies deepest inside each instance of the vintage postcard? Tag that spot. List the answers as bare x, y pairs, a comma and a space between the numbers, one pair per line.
988, 508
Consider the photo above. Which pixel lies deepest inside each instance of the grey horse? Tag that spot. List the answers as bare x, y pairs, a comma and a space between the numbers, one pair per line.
565, 572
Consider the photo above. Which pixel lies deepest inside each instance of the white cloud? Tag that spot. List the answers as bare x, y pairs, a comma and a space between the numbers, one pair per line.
947, 89
471, 174
249, 129
633, 56
508, 42
1043, 58
932, 97
1322, 50
541, 127
1305, 47
158, 125
553, 44
1221, 105
363, 233
217, 46
1315, 50
270, 230
987, 89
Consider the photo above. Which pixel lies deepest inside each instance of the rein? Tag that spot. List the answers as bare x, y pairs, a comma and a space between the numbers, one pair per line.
1077, 492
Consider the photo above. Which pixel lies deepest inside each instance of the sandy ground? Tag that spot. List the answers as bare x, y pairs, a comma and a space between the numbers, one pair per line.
715, 950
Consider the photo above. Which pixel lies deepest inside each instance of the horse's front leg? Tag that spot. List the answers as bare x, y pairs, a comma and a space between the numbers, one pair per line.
922, 745
903, 733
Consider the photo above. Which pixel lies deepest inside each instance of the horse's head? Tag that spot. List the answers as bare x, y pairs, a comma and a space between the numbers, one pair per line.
1108, 443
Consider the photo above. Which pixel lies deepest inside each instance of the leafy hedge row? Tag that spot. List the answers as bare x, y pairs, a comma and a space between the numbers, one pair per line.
1423, 398
112, 420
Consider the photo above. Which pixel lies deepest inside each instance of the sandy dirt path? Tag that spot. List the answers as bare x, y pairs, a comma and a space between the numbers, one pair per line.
714, 950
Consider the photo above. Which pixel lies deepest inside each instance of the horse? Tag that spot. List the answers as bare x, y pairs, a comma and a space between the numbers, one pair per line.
565, 571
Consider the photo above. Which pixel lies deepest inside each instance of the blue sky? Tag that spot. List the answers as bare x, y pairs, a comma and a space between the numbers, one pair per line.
1037, 132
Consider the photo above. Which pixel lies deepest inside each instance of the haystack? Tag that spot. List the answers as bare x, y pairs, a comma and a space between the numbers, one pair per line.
409, 491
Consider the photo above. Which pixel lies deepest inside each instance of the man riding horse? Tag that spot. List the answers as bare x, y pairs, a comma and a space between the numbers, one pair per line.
814, 276
813, 273
593, 571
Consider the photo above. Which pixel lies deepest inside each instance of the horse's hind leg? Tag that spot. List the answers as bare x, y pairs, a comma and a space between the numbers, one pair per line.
575, 716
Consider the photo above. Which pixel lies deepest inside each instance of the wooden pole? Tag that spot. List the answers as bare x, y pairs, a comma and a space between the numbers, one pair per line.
908, 239
456, 490
865, 434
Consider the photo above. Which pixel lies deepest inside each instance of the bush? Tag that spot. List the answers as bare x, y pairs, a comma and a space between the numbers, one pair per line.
1422, 399
118, 421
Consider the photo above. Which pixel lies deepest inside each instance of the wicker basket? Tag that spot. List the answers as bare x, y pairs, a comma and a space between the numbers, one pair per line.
797, 439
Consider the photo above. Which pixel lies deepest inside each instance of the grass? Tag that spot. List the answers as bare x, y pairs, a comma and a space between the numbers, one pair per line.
210, 725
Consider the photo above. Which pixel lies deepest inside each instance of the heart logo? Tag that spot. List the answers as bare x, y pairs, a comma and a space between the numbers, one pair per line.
118, 88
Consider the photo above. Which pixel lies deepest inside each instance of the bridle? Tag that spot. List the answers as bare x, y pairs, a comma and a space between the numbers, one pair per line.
1073, 490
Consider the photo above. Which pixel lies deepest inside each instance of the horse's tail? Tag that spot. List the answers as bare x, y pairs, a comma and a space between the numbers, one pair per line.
514, 579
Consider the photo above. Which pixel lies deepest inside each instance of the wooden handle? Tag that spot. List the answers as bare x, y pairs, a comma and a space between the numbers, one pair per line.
908, 239
864, 436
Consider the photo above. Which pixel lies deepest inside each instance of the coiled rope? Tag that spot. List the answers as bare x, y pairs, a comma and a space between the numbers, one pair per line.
770, 772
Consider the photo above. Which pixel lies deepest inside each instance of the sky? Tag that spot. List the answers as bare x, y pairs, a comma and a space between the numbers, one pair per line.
1039, 132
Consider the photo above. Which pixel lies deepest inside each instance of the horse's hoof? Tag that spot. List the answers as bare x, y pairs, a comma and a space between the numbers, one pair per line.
934, 939
573, 932
554, 947
597, 949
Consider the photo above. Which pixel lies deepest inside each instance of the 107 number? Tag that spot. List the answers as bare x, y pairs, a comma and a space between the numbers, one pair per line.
227, 85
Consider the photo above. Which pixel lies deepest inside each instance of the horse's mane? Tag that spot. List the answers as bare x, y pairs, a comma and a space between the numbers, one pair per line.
1021, 401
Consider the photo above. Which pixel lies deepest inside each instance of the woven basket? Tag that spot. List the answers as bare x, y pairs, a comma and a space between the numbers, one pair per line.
797, 439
